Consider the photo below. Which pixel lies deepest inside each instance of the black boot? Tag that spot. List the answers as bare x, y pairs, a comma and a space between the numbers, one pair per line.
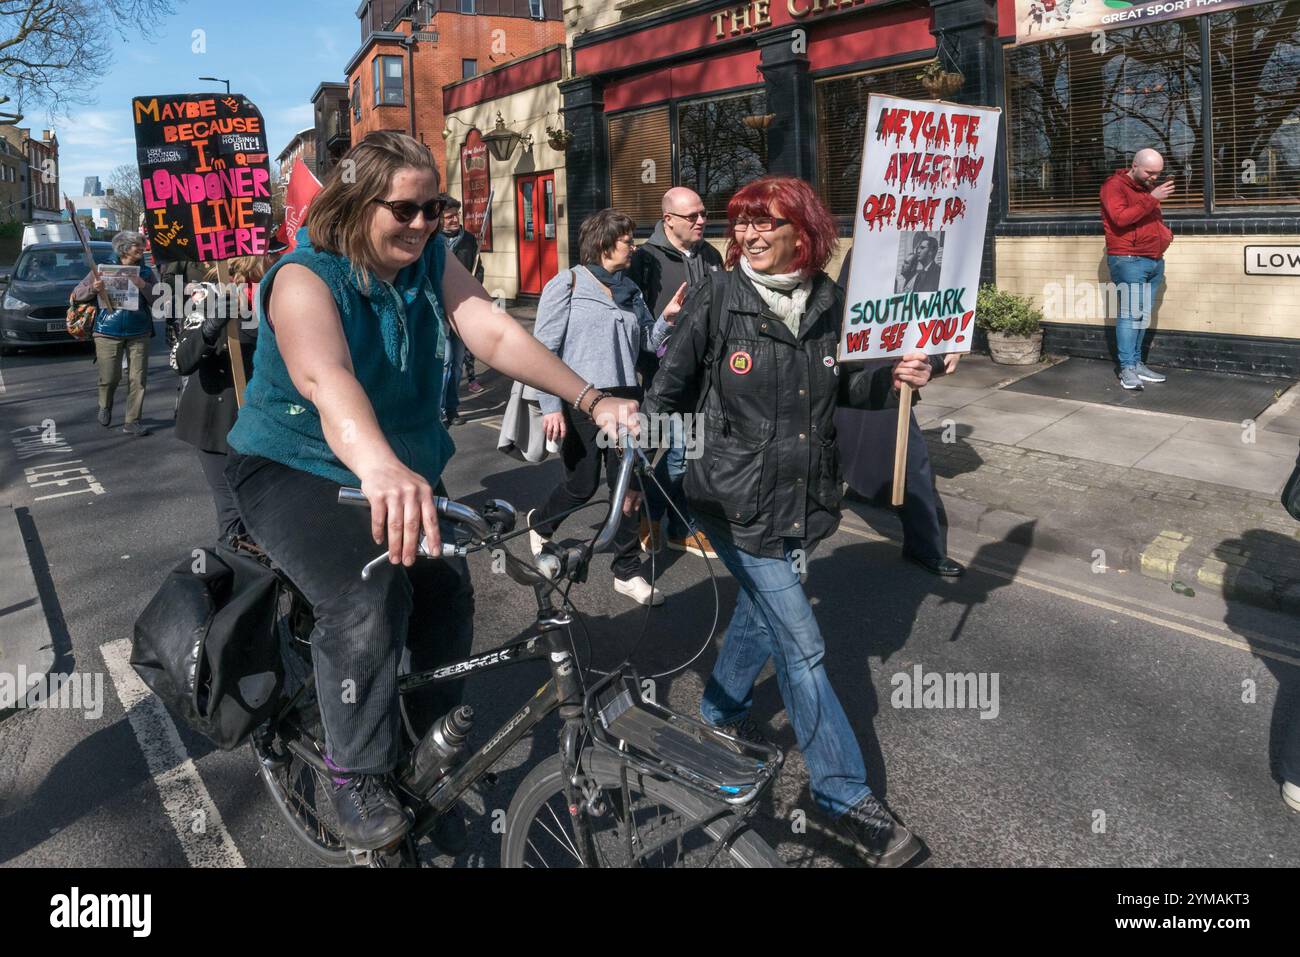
370, 816
878, 837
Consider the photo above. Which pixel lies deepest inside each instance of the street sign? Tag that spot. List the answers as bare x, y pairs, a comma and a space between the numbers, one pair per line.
1273, 260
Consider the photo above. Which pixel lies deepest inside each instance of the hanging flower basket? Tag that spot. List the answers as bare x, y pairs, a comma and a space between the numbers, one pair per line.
758, 122
938, 82
558, 138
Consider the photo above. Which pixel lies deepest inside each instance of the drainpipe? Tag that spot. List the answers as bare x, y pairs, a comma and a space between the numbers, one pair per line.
410, 71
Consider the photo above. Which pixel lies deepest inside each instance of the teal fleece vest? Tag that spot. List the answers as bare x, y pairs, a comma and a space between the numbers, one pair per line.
396, 336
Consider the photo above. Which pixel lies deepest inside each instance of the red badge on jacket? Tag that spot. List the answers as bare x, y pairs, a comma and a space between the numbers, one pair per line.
741, 363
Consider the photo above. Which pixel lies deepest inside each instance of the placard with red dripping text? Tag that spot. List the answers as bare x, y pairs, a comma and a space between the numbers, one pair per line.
918, 233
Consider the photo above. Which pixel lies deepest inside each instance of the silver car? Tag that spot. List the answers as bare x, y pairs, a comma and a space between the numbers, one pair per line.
35, 305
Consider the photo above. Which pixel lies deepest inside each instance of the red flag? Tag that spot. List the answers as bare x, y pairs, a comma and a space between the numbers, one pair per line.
303, 187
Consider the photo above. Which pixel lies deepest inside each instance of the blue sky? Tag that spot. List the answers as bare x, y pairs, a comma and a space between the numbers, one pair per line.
276, 52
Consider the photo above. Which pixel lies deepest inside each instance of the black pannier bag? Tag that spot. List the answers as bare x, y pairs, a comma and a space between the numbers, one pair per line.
206, 644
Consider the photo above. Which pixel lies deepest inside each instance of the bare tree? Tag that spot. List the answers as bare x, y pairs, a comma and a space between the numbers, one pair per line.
51, 51
127, 201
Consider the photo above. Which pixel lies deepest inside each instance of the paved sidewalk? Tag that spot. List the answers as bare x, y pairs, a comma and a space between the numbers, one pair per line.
1175, 497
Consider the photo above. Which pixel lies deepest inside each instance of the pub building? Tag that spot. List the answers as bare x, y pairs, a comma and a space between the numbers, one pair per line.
713, 94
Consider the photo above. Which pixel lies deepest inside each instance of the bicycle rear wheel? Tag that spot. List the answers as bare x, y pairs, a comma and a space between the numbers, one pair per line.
667, 823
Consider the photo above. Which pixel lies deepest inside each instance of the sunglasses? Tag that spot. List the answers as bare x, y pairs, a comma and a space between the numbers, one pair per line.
404, 210
701, 215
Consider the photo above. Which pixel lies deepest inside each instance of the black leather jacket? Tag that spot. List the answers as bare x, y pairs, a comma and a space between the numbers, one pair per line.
768, 465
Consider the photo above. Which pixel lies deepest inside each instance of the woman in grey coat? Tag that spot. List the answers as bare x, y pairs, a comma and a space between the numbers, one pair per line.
594, 318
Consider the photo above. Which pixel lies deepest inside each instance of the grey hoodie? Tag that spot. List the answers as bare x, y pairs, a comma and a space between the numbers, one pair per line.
659, 267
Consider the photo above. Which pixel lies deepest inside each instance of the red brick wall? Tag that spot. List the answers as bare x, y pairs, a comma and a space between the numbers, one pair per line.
460, 37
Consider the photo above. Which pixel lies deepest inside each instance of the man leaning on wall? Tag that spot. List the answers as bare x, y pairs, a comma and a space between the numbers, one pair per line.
1136, 240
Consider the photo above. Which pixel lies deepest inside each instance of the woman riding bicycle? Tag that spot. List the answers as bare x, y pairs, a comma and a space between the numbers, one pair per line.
347, 391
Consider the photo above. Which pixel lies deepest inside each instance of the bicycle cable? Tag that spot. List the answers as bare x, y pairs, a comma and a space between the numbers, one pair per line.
645, 621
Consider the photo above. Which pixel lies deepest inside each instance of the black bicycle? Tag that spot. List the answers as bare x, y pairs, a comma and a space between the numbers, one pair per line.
633, 784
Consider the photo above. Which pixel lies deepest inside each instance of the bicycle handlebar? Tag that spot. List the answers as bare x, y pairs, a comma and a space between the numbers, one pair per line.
615, 518
445, 506
479, 526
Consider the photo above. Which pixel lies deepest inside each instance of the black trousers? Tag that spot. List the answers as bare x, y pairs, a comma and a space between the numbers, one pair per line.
362, 627
582, 458
214, 470
866, 441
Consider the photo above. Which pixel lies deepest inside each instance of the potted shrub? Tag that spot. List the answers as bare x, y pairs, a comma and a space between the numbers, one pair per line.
1012, 324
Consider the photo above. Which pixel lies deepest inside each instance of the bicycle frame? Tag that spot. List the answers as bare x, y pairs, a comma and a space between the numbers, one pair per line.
564, 691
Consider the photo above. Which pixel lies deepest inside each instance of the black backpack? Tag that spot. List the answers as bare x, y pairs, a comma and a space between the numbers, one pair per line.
206, 644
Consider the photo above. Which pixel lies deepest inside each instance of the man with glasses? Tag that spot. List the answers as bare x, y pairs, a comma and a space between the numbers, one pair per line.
676, 253
1136, 240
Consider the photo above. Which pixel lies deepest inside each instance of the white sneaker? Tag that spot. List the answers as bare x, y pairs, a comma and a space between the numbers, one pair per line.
639, 590
535, 539
1291, 794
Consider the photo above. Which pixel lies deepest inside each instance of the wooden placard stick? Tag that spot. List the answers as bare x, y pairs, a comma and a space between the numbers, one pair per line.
232, 335
85, 249
900, 442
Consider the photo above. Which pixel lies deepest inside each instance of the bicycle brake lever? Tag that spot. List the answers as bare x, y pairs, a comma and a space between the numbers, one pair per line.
448, 551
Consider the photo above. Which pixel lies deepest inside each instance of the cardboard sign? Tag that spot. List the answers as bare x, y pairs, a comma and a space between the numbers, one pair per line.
918, 233
205, 174
476, 189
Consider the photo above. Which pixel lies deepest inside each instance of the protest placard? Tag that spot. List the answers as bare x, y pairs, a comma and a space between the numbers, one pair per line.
205, 175
918, 236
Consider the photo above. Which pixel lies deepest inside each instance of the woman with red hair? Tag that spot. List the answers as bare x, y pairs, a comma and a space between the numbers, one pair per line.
754, 353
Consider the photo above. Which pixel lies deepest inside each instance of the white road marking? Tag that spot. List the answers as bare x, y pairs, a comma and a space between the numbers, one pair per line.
1020, 578
186, 800
2, 382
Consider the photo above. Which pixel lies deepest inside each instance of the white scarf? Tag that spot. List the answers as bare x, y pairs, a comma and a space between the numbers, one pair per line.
786, 294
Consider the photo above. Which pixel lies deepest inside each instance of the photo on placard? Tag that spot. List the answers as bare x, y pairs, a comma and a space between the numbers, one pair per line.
920, 260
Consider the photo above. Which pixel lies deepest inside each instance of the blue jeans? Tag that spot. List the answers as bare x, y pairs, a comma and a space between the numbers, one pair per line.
670, 472
451, 376
773, 619
1138, 278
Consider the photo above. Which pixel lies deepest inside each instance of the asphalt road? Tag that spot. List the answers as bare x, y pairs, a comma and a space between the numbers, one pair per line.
1133, 726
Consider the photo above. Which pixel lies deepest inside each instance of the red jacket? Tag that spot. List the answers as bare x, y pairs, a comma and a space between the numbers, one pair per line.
1132, 220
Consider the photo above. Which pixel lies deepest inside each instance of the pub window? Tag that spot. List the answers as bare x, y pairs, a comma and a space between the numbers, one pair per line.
640, 163
466, 6
356, 100
841, 119
717, 151
1078, 109
535, 9
1255, 99
468, 68
388, 81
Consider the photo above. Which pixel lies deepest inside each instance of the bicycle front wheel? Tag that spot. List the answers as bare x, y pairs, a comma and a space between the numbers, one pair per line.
667, 829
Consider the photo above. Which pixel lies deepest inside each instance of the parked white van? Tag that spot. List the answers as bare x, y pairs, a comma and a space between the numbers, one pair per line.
49, 233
